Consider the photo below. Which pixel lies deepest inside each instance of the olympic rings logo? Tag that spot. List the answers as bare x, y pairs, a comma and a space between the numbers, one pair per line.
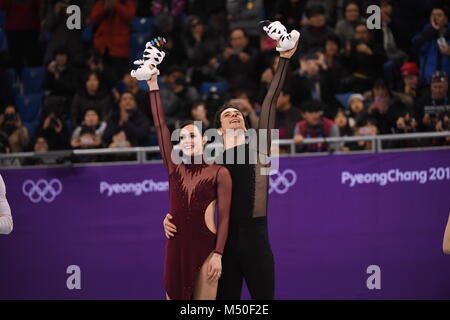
42, 190
281, 182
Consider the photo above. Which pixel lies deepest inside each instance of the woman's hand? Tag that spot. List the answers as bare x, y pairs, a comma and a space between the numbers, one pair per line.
153, 82
215, 267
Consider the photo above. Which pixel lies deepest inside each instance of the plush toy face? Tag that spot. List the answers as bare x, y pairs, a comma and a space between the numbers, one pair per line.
275, 30
152, 57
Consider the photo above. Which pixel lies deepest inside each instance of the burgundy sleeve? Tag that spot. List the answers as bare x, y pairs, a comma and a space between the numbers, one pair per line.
224, 185
162, 132
267, 117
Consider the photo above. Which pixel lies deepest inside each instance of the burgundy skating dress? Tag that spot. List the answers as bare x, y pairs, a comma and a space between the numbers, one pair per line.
192, 188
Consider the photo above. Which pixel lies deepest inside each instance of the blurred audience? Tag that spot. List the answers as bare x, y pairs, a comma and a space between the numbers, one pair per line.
15, 135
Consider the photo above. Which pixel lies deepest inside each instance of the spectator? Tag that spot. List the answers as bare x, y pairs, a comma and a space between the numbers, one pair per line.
94, 63
120, 140
4, 144
131, 121
245, 15
331, 62
22, 27
202, 48
434, 56
315, 33
177, 97
287, 115
13, 130
238, 62
410, 74
290, 12
40, 147
342, 122
61, 79
89, 134
357, 110
431, 107
345, 29
112, 32
310, 82
366, 127
56, 22
314, 125
141, 96
54, 131
200, 113
92, 95
394, 55
363, 59
384, 107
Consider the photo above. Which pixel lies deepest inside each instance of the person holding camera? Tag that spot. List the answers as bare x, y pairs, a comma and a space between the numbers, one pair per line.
89, 134
6, 222
13, 130
431, 108
54, 131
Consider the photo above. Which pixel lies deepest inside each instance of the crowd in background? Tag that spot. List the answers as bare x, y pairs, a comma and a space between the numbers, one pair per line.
344, 80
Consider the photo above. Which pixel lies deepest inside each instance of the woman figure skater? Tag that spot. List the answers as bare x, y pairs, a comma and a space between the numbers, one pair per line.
192, 265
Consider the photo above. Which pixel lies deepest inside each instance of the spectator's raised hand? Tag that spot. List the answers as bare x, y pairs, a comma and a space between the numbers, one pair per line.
227, 53
445, 49
267, 76
364, 48
244, 57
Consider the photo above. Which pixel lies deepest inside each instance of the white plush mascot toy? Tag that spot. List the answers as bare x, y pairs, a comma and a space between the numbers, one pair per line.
278, 32
152, 57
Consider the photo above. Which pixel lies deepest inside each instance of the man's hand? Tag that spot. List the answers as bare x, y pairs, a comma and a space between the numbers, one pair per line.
298, 139
227, 53
169, 228
244, 57
364, 48
289, 53
215, 267
445, 50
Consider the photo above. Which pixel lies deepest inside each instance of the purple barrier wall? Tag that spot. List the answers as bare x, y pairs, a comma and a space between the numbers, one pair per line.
330, 219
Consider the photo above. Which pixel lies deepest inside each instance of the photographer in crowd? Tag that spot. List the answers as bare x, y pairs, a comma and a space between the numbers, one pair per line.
12, 129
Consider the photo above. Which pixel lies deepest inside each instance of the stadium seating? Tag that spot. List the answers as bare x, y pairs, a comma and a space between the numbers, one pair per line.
32, 127
206, 87
32, 79
2, 18
88, 33
142, 25
138, 41
29, 106
3, 40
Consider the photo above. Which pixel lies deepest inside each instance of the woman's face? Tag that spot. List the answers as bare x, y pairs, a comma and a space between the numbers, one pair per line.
91, 118
191, 140
92, 83
352, 12
340, 120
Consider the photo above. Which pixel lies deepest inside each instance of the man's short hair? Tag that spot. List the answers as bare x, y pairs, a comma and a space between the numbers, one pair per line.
218, 123
314, 10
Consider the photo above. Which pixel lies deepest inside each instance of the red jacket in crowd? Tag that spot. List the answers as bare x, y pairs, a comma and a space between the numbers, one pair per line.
21, 15
113, 27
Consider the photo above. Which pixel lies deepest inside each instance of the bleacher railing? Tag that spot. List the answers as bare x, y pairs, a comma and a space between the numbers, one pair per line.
139, 155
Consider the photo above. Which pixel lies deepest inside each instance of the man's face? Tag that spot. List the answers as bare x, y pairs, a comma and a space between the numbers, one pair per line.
61, 59
411, 80
362, 33
386, 9
238, 40
92, 84
283, 100
439, 17
439, 90
127, 102
232, 118
317, 20
331, 48
352, 12
312, 117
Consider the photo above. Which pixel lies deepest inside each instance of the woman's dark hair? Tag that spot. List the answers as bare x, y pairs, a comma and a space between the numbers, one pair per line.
334, 38
85, 111
86, 78
193, 123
